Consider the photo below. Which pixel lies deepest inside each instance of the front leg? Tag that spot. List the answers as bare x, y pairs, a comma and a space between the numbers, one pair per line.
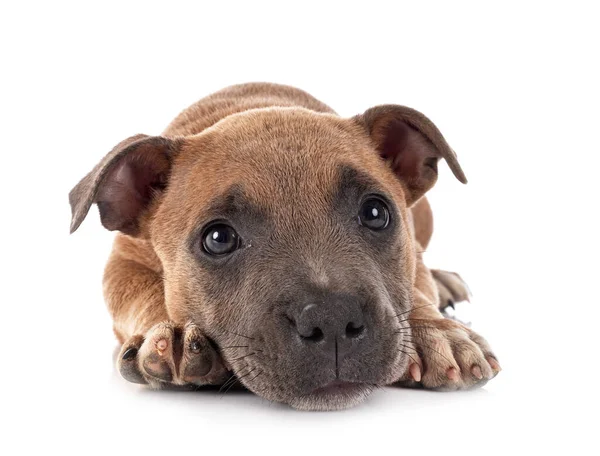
155, 351
449, 356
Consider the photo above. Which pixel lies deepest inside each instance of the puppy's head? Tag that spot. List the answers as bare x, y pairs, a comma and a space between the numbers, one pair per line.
286, 235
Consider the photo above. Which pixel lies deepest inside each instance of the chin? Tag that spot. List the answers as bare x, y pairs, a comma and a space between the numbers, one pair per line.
336, 395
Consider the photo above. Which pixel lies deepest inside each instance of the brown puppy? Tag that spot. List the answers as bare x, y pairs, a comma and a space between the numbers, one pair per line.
268, 240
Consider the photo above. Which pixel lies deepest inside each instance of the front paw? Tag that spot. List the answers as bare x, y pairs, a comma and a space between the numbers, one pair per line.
171, 354
446, 355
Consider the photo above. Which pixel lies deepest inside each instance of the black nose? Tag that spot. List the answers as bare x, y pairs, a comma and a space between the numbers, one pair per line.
335, 325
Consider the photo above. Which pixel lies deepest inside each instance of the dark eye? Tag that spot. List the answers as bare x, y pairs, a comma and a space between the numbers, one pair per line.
374, 214
220, 239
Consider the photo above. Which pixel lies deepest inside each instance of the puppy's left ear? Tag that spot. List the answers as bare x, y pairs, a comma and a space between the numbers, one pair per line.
411, 144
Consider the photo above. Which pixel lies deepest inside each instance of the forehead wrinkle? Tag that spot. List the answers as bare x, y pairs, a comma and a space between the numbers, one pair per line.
351, 178
232, 203
291, 168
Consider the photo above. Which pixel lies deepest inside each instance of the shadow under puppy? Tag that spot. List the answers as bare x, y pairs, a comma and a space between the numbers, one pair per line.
265, 238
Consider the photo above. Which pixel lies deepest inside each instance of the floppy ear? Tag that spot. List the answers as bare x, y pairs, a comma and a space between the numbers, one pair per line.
124, 183
411, 144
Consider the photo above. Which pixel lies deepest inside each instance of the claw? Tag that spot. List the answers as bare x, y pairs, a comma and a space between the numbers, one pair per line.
415, 372
494, 364
130, 353
161, 345
476, 371
452, 374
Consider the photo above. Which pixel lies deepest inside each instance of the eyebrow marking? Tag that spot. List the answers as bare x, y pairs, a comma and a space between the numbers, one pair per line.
234, 207
230, 203
356, 183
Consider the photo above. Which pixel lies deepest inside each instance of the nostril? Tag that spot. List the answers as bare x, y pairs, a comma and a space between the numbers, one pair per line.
316, 335
353, 331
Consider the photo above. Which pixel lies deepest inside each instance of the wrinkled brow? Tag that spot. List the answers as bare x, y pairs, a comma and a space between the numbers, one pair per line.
233, 205
353, 183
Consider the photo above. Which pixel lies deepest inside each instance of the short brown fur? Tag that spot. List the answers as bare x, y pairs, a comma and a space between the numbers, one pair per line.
156, 292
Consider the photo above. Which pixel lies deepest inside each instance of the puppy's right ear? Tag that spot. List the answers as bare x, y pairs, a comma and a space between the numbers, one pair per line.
125, 182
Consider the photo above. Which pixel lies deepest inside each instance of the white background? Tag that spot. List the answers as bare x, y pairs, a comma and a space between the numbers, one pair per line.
514, 88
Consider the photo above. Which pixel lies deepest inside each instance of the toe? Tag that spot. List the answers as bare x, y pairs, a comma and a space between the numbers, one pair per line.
490, 365
198, 356
470, 358
476, 371
441, 370
127, 362
453, 374
157, 352
494, 364
415, 372
161, 345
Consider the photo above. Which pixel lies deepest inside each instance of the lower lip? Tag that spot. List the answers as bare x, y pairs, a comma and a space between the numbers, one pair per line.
338, 387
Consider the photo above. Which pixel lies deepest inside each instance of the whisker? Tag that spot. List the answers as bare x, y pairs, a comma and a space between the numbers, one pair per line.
414, 308
230, 386
420, 319
235, 346
240, 335
238, 379
227, 382
415, 327
432, 349
424, 319
250, 379
408, 354
242, 357
231, 379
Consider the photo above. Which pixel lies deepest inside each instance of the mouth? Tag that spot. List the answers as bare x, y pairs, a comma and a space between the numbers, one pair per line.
335, 395
339, 387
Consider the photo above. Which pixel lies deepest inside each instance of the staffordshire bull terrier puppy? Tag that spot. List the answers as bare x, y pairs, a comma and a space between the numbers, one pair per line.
265, 240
